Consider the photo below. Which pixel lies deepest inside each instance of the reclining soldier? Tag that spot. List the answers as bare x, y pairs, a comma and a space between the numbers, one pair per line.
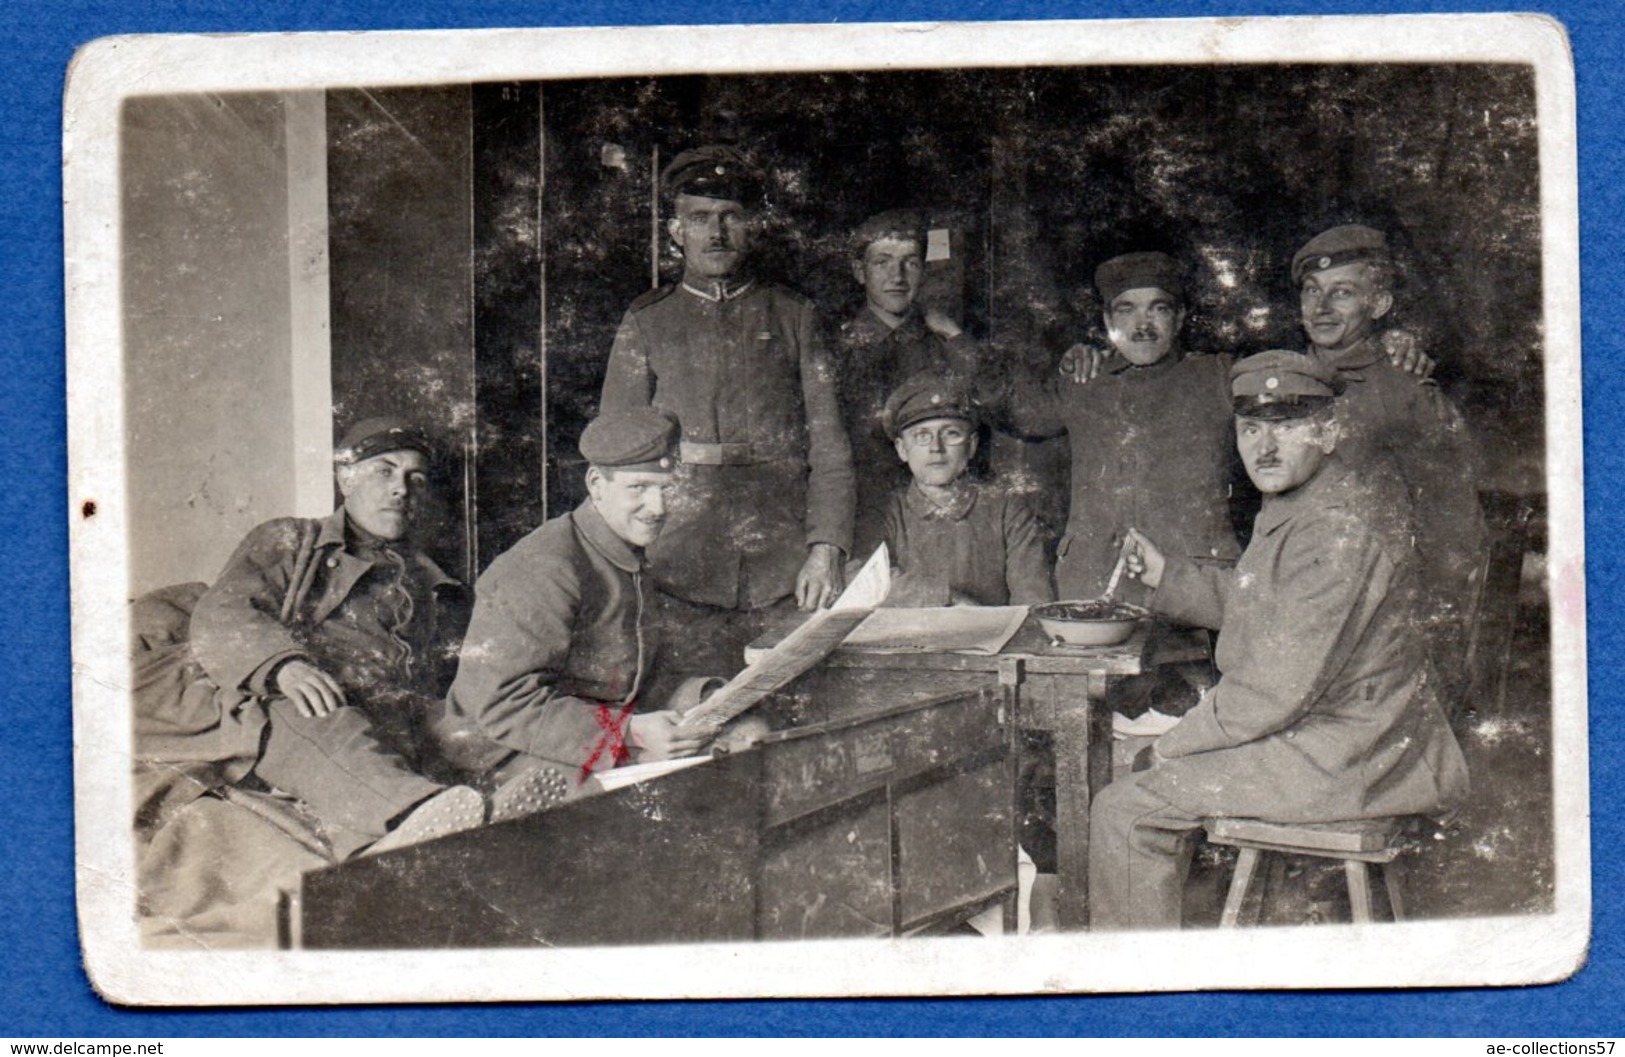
327, 637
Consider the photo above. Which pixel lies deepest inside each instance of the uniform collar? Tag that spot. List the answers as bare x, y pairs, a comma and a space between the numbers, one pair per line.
1327, 489
869, 329
596, 531
1120, 364
958, 508
1367, 353
719, 290
331, 534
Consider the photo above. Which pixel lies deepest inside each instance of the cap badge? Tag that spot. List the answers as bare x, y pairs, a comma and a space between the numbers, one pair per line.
722, 170
1272, 382
1324, 262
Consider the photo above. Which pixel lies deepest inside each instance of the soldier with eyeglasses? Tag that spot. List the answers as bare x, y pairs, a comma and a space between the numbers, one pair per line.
955, 541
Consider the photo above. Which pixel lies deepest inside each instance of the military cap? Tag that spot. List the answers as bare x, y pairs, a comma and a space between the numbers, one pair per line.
1281, 384
374, 436
1343, 244
638, 439
903, 224
1137, 271
928, 395
714, 171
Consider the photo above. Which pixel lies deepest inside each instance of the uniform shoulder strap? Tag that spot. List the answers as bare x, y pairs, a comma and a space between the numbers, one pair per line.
304, 571
650, 297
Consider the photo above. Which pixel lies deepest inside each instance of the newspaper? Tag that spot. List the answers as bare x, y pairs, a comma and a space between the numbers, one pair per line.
979, 630
816, 638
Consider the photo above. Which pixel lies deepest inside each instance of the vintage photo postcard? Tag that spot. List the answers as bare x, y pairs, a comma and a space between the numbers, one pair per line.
742, 511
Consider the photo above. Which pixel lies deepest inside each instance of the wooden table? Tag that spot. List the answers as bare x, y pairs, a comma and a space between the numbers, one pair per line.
1057, 689
896, 822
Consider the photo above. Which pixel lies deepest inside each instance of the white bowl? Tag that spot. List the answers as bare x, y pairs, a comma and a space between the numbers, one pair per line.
1087, 631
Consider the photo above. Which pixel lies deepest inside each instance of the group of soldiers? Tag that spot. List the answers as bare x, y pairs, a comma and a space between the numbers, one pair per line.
738, 464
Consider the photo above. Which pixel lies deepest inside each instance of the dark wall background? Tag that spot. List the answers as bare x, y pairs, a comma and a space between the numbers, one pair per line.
400, 191
436, 295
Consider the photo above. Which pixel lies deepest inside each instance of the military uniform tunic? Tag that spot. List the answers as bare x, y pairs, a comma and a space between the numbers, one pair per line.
873, 359
1153, 448
984, 549
376, 616
558, 650
1325, 709
766, 464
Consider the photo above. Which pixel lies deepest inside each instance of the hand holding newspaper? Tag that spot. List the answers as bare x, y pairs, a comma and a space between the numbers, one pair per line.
815, 639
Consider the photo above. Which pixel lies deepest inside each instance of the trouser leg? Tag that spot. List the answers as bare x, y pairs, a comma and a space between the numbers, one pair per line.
354, 783
1139, 855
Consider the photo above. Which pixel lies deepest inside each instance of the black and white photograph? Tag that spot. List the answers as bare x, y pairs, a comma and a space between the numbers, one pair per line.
884, 510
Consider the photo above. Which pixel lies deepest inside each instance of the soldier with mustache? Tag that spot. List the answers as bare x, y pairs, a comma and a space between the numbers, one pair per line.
1325, 709
765, 518
1150, 445
1149, 436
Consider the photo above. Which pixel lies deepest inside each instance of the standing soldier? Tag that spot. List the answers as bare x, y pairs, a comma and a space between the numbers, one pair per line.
1149, 435
1400, 433
890, 340
766, 475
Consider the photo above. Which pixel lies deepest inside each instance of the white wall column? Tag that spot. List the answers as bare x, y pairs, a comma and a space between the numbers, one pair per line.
310, 330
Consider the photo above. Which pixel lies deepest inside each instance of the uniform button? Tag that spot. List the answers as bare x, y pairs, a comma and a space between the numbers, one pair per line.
332, 563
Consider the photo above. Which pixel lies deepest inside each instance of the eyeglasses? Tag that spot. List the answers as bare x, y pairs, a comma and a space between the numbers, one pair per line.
947, 436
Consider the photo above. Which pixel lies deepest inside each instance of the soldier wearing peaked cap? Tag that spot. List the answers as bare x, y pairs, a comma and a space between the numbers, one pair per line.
890, 339
1325, 709
766, 464
557, 671
328, 640
954, 541
716, 171
1403, 434
1150, 437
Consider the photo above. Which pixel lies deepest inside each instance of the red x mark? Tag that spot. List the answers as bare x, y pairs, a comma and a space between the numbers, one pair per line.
613, 722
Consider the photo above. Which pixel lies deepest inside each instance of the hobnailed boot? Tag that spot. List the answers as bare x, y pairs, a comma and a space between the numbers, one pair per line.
448, 811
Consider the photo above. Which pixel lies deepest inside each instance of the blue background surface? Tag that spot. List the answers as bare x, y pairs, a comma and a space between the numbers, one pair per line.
43, 990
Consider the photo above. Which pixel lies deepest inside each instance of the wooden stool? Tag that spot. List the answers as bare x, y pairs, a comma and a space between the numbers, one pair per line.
1356, 843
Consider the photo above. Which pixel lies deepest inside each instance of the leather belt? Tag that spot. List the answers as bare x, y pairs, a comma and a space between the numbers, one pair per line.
742, 453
